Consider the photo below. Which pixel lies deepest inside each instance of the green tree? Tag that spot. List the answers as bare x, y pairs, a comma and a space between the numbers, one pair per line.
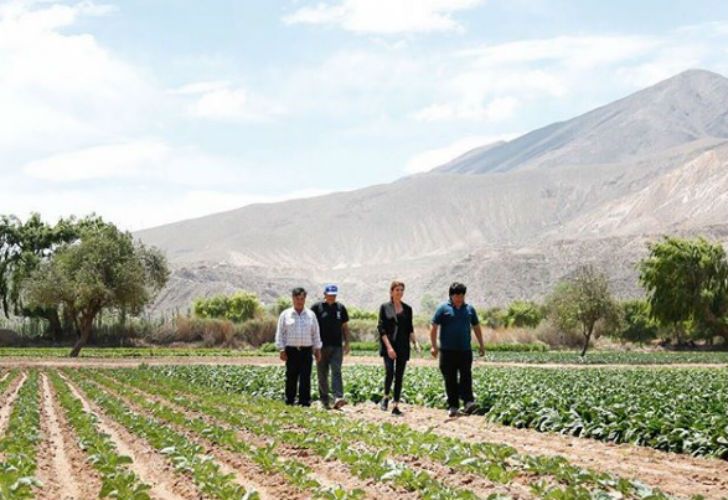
428, 304
281, 304
104, 269
581, 302
638, 325
523, 313
687, 281
493, 317
356, 313
23, 246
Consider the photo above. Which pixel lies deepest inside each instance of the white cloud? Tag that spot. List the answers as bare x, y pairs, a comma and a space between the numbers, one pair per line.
497, 109
142, 162
386, 17
427, 160
220, 100
59, 89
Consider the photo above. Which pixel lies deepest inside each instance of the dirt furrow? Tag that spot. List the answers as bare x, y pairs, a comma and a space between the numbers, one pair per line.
151, 467
672, 473
7, 400
63, 468
4, 376
329, 474
247, 473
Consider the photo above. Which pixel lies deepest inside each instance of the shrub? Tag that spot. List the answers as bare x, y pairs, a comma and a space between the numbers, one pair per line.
257, 332
522, 313
239, 307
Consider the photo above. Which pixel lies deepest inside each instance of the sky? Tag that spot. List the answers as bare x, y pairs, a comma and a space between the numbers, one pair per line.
152, 111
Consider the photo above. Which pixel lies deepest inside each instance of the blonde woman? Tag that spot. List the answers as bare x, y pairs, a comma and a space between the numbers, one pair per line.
395, 333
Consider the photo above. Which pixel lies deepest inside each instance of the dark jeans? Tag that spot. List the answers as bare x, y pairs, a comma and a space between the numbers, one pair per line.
331, 359
298, 375
452, 364
394, 370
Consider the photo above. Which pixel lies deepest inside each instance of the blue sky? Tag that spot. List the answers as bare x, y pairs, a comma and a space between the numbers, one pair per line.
149, 111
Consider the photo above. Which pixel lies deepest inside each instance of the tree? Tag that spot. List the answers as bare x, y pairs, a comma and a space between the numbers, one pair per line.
23, 246
239, 307
687, 281
493, 317
581, 302
638, 325
523, 313
428, 304
104, 269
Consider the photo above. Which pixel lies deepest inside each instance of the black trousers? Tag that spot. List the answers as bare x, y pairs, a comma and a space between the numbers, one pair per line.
298, 375
452, 364
394, 370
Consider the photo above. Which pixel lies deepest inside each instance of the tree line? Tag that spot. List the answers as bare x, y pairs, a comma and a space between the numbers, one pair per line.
67, 273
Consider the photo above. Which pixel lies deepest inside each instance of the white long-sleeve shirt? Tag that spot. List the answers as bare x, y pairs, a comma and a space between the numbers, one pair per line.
298, 330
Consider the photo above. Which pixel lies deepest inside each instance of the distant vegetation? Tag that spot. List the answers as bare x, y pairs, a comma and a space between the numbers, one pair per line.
83, 280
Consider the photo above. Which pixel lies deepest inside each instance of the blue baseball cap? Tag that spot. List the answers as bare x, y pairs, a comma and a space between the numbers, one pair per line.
331, 290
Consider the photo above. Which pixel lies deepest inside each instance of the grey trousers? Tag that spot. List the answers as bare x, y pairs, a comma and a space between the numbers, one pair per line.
331, 359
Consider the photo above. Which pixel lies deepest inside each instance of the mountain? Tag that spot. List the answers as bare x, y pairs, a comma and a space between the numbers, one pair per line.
510, 219
688, 107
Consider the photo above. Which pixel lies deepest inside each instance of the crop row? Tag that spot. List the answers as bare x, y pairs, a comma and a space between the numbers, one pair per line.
265, 456
332, 435
20, 443
117, 480
187, 457
680, 410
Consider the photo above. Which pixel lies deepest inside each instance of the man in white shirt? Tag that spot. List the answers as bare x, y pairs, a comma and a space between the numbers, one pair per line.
298, 339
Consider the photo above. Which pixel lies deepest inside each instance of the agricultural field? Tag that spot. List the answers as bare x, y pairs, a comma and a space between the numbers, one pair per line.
223, 432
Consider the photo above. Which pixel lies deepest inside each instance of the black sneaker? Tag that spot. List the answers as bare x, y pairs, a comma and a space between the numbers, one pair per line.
470, 408
396, 412
384, 404
453, 412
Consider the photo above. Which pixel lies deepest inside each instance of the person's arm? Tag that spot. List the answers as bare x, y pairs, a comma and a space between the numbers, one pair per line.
316, 338
433, 340
383, 333
475, 321
345, 332
479, 335
411, 326
433, 333
281, 339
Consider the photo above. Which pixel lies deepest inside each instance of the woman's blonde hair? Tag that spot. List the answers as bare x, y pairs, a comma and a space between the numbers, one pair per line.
394, 285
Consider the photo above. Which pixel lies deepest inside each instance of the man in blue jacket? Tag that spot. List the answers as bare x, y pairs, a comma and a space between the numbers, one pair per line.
455, 319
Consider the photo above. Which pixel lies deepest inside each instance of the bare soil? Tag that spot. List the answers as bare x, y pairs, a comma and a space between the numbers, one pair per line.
21, 362
63, 467
151, 467
675, 474
327, 473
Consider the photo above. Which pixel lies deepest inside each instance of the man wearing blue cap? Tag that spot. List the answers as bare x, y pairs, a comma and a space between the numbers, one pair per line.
333, 322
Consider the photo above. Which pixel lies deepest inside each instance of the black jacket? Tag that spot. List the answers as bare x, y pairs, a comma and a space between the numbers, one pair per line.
389, 326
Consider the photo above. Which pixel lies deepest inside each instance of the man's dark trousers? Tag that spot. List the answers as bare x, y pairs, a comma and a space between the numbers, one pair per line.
453, 363
298, 375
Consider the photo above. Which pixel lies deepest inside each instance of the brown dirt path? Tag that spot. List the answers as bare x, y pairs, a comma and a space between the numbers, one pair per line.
329, 474
8, 399
20, 362
151, 467
675, 474
63, 468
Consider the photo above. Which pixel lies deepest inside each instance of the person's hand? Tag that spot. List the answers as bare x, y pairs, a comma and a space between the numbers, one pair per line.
283, 356
392, 354
317, 354
434, 351
481, 351
347, 348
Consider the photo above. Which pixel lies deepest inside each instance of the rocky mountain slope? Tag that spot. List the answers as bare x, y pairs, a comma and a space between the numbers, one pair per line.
510, 220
